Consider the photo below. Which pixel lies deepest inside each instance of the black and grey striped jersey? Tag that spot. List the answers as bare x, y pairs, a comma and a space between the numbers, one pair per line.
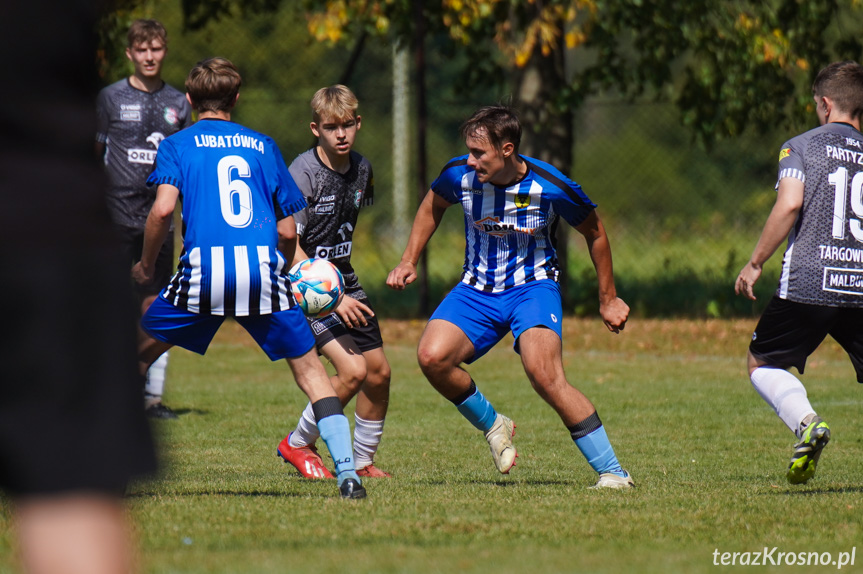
327, 225
823, 262
132, 123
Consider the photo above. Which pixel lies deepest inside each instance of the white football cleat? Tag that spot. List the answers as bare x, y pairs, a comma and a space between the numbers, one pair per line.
499, 438
611, 480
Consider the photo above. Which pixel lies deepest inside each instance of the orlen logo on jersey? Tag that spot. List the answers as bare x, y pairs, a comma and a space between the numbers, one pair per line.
493, 226
146, 156
340, 250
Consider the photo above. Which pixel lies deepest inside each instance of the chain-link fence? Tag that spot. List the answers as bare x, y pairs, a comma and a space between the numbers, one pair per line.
682, 220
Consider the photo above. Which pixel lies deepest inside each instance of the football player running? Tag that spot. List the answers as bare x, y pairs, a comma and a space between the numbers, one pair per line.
818, 208
510, 283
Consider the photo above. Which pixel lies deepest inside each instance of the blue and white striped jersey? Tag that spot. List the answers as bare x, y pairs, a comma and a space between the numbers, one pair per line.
234, 187
510, 231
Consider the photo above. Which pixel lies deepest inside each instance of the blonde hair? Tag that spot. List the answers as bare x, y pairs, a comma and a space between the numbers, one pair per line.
336, 101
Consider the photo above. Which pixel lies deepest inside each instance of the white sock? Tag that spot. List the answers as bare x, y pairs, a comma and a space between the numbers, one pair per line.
367, 437
307, 431
155, 386
785, 393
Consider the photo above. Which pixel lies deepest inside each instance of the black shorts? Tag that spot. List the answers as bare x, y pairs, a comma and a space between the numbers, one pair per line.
71, 405
132, 242
367, 337
788, 332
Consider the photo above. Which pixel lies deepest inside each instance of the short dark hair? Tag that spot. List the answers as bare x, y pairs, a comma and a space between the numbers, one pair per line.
843, 83
213, 85
499, 124
146, 31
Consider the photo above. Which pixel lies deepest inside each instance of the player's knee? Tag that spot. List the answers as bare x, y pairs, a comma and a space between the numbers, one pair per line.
753, 363
353, 375
548, 385
429, 359
544, 376
378, 378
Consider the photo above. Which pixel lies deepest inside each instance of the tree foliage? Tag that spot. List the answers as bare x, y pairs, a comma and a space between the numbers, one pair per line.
728, 65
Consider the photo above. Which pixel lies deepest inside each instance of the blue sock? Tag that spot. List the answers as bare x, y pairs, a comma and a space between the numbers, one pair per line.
475, 408
336, 432
590, 438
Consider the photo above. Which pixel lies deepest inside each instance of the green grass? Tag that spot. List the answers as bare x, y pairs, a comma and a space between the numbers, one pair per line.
707, 454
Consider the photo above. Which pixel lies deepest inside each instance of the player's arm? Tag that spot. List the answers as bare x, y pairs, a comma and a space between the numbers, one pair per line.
426, 222
613, 310
299, 254
156, 231
288, 244
789, 201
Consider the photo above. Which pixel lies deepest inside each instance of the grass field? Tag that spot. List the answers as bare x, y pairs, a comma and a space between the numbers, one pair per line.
707, 454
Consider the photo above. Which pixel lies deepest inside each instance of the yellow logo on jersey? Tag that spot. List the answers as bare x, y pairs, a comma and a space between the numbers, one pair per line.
522, 200
784, 153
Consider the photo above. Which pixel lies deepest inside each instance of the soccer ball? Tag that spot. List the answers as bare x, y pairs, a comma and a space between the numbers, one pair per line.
317, 285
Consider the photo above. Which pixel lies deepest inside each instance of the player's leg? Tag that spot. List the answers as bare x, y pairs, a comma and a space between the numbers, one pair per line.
535, 313
785, 336
286, 335
463, 328
82, 533
154, 386
540, 350
311, 377
149, 350
298, 448
371, 411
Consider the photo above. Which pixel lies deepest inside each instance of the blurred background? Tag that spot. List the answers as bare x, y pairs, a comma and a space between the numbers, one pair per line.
670, 115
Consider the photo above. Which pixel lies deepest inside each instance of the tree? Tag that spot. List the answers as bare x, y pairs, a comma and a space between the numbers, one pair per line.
728, 65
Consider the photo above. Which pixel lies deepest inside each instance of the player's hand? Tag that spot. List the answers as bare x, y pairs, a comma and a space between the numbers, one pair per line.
353, 313
141, 275
614, 314
403, 275
746, 280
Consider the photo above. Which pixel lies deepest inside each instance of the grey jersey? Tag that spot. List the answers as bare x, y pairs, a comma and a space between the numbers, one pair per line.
326, 226
823, 263
132, 123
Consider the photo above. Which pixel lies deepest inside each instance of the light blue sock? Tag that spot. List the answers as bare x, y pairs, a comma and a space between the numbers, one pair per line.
590, 438
336, 433
476, 408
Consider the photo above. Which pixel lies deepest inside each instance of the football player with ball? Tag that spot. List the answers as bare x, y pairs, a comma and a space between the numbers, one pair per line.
337, 182
238, 199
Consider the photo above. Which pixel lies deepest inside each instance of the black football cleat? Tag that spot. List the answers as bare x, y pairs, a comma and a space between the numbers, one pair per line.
351, 488
160, 411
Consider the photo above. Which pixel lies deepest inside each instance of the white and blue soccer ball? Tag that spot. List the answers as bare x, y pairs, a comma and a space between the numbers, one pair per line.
317, 285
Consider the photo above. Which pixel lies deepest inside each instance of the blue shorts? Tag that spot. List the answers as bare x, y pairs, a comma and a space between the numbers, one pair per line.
487, 317
282, 335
